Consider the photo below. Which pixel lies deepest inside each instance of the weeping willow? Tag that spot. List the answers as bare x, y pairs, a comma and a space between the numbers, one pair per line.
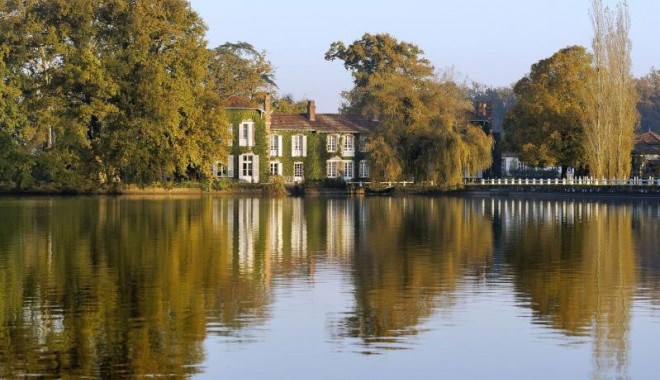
425, 134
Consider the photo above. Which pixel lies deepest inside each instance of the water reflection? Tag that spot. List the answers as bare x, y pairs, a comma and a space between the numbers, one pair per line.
410, 257
576, 266
130, 287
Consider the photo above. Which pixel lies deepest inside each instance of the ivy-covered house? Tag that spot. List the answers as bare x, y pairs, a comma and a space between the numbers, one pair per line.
298, 148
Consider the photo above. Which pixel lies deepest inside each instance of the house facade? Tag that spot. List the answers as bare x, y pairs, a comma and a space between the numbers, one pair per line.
296, 148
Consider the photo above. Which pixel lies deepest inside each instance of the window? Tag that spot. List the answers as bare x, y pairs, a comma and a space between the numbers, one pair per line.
275, 168
298, 171
332, 143
246, 169
275, 146
219, 169
246, 134
299, 146
348, 147
348, 169
363, 170
363, 143
332, 169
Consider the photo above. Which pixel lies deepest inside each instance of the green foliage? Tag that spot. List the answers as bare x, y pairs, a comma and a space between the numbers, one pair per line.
260, 147
289, 106
100, 92
545, 125
239, 69
424, 133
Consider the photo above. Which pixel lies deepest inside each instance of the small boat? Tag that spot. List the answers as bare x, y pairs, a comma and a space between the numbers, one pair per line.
384, 191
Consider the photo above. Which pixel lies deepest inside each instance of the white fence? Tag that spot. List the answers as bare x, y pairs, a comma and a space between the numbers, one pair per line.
580, 181
388, 183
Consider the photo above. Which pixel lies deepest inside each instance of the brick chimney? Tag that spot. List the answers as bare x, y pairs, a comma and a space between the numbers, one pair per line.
267, 112
311, 110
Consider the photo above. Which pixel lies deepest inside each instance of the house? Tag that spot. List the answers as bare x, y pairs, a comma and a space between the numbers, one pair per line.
512, 166
297, 148
646, 155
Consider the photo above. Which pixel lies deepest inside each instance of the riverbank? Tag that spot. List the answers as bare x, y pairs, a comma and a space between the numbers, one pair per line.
336, 189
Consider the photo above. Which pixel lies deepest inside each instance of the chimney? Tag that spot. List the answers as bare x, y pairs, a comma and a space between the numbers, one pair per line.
267, 113
311, 110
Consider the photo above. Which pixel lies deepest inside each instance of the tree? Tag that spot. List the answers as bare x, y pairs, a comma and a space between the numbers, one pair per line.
98, 91
286, 104
423, 130
648, 106
545, 125
240, 69
610, 98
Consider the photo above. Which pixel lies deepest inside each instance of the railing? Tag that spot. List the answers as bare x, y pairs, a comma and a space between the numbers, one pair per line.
388, 183
580, 181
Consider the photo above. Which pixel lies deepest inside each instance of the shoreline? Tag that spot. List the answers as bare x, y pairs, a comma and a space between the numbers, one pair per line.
470, 191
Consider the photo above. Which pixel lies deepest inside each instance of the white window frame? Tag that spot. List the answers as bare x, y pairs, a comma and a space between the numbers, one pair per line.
332, 143
332, 168
248, 168
348, 169
275, 168
275, 146
298, 171
219, 169
363, 169
348, 145
299, 145
246, 133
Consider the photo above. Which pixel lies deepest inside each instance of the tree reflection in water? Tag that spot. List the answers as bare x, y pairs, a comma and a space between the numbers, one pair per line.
576, 264
130, 287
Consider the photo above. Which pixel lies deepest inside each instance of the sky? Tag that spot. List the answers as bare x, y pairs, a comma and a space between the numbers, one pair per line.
486, 41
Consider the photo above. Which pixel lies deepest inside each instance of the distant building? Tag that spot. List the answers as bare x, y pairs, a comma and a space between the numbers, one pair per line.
646, 155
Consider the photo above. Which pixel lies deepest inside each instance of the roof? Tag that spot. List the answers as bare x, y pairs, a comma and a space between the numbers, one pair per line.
324, 123
648, 138
237, 102
647, 143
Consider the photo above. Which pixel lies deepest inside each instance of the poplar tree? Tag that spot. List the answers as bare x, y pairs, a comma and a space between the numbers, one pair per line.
611, 98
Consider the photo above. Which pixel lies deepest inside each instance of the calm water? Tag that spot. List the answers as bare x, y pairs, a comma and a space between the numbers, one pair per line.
329, 288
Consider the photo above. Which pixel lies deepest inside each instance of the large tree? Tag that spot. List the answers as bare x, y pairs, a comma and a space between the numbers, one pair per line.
648, 87
97, 91
240, 69
423, 130
545, 125
610, 99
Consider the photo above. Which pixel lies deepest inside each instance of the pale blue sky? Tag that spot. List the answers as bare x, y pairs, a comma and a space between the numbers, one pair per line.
488, 41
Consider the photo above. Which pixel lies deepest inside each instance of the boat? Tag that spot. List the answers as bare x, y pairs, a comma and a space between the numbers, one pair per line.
384, 191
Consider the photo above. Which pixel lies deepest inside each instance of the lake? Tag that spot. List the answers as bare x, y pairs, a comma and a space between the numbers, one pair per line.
329, 288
